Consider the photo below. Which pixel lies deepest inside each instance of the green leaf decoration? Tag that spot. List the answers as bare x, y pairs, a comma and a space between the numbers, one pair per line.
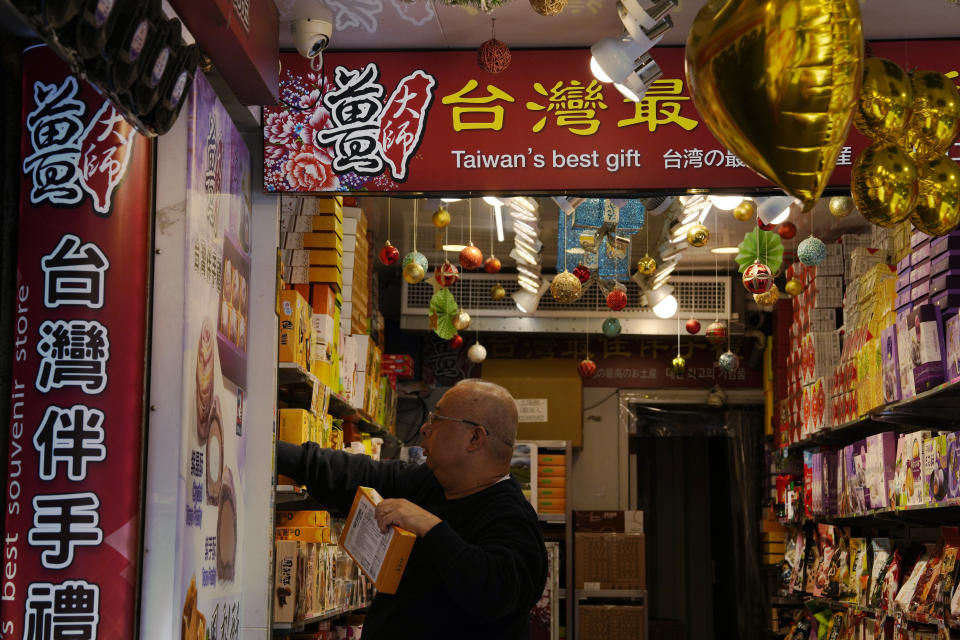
443, 309
761, 245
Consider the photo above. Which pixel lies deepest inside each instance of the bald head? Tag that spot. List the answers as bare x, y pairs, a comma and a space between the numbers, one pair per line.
492, 406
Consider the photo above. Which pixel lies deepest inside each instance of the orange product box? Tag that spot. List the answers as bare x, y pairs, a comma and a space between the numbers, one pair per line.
331, 205
325, 258
303, 519
294, 426
551, 460
552, 493
328, 223
548, 505
323, 298
381, 556
303, 534
326, 275
559, 482
551, 470
323, 240
294, 328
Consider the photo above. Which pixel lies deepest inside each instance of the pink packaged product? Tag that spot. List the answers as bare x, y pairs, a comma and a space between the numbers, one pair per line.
890, 364
926, 346
952, 346
904, 359
947, 262
881, 459
949, 242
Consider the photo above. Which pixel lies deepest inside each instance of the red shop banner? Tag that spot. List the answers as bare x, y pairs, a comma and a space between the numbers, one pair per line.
73, 471
433, 121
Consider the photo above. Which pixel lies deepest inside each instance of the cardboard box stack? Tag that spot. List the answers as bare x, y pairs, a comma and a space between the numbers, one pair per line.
357, 272
313, 575
312, 240
551, 481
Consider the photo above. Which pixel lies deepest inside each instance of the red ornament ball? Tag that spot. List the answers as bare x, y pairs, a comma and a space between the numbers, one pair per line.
617, 299
763, 225
758, 278
471, 257
787, 230
492, 265
582, 273
716, 333
587, 368
389, 254
456, 341
693, 325
494, 56
446, 274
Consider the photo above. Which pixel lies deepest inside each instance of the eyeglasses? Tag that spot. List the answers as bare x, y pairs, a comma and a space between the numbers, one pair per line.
432, 417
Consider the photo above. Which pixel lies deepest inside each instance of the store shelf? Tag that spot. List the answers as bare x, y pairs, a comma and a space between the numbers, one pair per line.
947, 511
287, 493
558, 518
327, 615
837, 605
611, 594
295, 386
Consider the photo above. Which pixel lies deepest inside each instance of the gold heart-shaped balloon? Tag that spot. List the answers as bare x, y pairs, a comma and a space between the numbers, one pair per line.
777, 83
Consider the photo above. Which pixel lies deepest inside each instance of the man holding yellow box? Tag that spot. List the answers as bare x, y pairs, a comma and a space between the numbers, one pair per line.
479, 563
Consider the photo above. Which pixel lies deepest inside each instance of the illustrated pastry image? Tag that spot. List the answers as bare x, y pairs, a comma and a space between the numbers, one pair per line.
193, 625
224, 317
236, 287
204, 379
215, 456
227, 284
227, 529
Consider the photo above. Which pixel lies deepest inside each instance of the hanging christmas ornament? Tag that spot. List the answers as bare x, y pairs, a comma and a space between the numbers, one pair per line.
493, 56
787, 230
841, 206
693, 326
729, 361
769, 298
456, 342
765, 246
679, 365
646, 266
419, 258
471, 257
461, 321
582, 273
764, 226
565, 287
611, 327
716, 333
389, 254
698, 235
793, 287
548, 7
413, 272
492, 264
811, 251
587, 368
746, 210
446, 274
617, 299
440, 217
757, 278
477, 353
497, 292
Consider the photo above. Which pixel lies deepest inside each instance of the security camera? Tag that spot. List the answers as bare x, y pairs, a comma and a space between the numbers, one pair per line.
312, 35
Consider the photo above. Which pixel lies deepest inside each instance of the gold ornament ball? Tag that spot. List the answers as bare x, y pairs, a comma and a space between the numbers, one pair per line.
841, 206
461, 321
413, 273
497, 292
698, 235
548, 7
565, 287
746, 210
793, 287
440, 218
679, 365
769, 298
646, 266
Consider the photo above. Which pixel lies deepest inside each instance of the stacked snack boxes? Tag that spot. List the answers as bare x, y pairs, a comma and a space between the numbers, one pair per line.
312, 240
325, 324
294, 341
298, 426
357, 273
551, 482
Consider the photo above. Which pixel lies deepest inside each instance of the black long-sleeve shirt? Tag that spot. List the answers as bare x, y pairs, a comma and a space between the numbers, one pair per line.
476, 575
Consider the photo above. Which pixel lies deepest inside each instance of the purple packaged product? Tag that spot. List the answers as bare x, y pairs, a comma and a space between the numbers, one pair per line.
903, 299
949, 242
880, 469
948, 300
918, 239
944, 281
903, 280
920, 253
904, 265
951, 345
829, 471
920, 272
948, 261
953, 465
816, 464
926, 346
920, 291
890, 364
907, 388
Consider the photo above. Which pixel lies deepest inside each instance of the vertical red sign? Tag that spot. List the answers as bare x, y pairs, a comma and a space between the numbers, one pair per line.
73, 471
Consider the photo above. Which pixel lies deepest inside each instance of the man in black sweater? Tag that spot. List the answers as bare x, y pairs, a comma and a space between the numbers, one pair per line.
479, 563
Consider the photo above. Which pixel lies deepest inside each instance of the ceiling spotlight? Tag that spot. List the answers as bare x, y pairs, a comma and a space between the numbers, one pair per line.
626, 63
497, 205
776, 209
724, 250
454, 247
526, 301
493, 202
662, 302
449, 200
726, 203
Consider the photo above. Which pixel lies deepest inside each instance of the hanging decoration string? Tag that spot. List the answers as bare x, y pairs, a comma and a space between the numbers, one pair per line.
716, 268
388, 217
493, 236
563, 241
415, 224
729, 315
470, 218
678, 334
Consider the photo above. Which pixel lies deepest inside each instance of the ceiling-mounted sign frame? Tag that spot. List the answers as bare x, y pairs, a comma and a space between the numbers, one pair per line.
432, 122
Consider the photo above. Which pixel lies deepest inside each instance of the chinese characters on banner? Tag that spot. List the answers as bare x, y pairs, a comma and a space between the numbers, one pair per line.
73, 481
433, 122
208, 570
